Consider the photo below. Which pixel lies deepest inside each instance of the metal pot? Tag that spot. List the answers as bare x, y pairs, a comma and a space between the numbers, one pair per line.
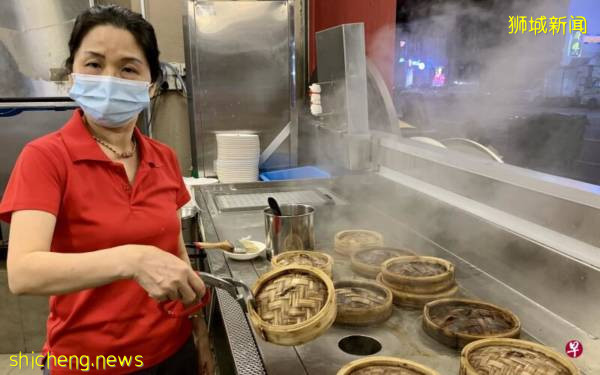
293, 230
189, 224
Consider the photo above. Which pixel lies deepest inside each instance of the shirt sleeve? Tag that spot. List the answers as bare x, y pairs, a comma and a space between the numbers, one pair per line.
34, 184
183, 196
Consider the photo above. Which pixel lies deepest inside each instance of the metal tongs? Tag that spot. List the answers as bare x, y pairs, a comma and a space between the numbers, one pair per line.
245, 298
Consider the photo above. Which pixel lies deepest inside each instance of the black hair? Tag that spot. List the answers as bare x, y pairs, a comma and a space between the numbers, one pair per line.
120, 17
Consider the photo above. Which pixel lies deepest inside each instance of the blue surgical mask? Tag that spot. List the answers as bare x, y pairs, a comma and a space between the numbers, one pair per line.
109, 101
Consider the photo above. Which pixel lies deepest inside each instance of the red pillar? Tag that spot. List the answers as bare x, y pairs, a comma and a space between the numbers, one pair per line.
379, 17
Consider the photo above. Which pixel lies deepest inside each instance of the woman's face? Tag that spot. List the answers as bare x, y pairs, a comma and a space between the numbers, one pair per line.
111, 51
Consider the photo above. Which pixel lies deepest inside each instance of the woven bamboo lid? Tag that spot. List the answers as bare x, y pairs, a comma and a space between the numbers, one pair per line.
379, 365
417, 300
311, 258
367, 262
418, 274
513, 357
348, 241
457, 322
294, 304
362, 302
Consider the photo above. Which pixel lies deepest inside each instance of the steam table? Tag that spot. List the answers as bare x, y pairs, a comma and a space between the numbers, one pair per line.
400, 336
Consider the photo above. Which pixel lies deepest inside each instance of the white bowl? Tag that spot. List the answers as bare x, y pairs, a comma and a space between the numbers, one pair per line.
247, 256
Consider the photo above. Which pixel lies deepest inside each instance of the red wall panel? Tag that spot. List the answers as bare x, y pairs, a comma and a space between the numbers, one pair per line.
379, 17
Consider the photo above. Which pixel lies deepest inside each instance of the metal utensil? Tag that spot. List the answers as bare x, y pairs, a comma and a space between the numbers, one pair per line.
245, 298
274, 206
239, 246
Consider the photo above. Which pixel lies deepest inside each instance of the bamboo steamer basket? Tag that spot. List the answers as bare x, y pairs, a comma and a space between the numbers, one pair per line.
513, 357
362, 302
418, 274
311, 258
456, 322
368, 262
347, 242
379, 365
294, 305
414, 300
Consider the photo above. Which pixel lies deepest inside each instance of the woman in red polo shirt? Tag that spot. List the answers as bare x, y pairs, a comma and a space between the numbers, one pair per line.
94, 214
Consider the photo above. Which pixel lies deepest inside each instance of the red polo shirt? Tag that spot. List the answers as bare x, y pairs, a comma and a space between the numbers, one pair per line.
67, 174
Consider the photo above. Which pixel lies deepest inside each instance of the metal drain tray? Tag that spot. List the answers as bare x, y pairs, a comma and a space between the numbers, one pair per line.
258, 200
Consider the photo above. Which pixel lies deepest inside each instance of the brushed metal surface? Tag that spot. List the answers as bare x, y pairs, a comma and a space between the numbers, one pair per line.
566, 206
294, 230
16, 131
543, 287
33, 46
240, 59
341, 60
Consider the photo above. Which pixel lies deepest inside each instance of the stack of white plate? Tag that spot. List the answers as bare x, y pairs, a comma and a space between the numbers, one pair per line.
237, 157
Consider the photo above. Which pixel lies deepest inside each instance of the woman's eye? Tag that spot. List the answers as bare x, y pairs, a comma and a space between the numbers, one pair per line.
94, 65
129, 70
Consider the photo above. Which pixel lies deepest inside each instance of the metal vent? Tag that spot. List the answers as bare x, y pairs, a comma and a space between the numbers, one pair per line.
232, 202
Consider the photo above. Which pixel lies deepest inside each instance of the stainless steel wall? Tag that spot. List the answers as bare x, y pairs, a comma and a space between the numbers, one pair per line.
33, 45
240, 58
16, 131
342, 73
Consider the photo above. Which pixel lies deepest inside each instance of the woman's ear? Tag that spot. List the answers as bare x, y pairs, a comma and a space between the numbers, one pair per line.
153, 89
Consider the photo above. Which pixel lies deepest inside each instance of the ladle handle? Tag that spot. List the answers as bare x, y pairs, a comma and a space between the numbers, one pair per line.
274, 206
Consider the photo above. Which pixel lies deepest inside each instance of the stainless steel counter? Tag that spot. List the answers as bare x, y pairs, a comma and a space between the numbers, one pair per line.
373, 202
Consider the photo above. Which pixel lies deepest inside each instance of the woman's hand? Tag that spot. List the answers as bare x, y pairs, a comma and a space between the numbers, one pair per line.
164, 276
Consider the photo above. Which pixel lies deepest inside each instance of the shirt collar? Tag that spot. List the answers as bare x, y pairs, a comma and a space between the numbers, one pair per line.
82, 146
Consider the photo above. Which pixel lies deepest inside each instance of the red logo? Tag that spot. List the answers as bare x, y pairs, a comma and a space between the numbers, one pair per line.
574, 348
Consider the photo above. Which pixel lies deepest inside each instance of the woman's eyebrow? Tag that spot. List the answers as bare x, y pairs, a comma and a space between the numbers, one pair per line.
94, 54
132, 59
125, 59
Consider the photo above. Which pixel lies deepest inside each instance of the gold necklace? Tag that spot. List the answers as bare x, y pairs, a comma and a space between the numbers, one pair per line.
120, 155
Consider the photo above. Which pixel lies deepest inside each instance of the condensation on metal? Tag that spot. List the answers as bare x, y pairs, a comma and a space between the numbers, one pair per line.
246, 357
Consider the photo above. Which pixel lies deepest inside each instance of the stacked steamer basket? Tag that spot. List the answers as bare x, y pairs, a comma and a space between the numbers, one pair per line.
348, 242
456, 322
417, 280
379, 365
294, 305
367, 262
311, 258
513, 357
237, 157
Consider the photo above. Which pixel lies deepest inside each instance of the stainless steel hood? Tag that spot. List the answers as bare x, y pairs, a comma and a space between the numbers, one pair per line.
33, 48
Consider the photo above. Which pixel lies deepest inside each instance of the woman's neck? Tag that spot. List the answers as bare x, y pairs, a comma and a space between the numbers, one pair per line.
119, 137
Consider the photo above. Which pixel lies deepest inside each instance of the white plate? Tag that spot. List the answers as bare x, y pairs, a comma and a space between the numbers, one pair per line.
238, 163
191, 181
236, 181
234, 135
247, 256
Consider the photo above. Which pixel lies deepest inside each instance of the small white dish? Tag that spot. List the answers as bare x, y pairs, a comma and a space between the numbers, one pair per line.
247, 256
